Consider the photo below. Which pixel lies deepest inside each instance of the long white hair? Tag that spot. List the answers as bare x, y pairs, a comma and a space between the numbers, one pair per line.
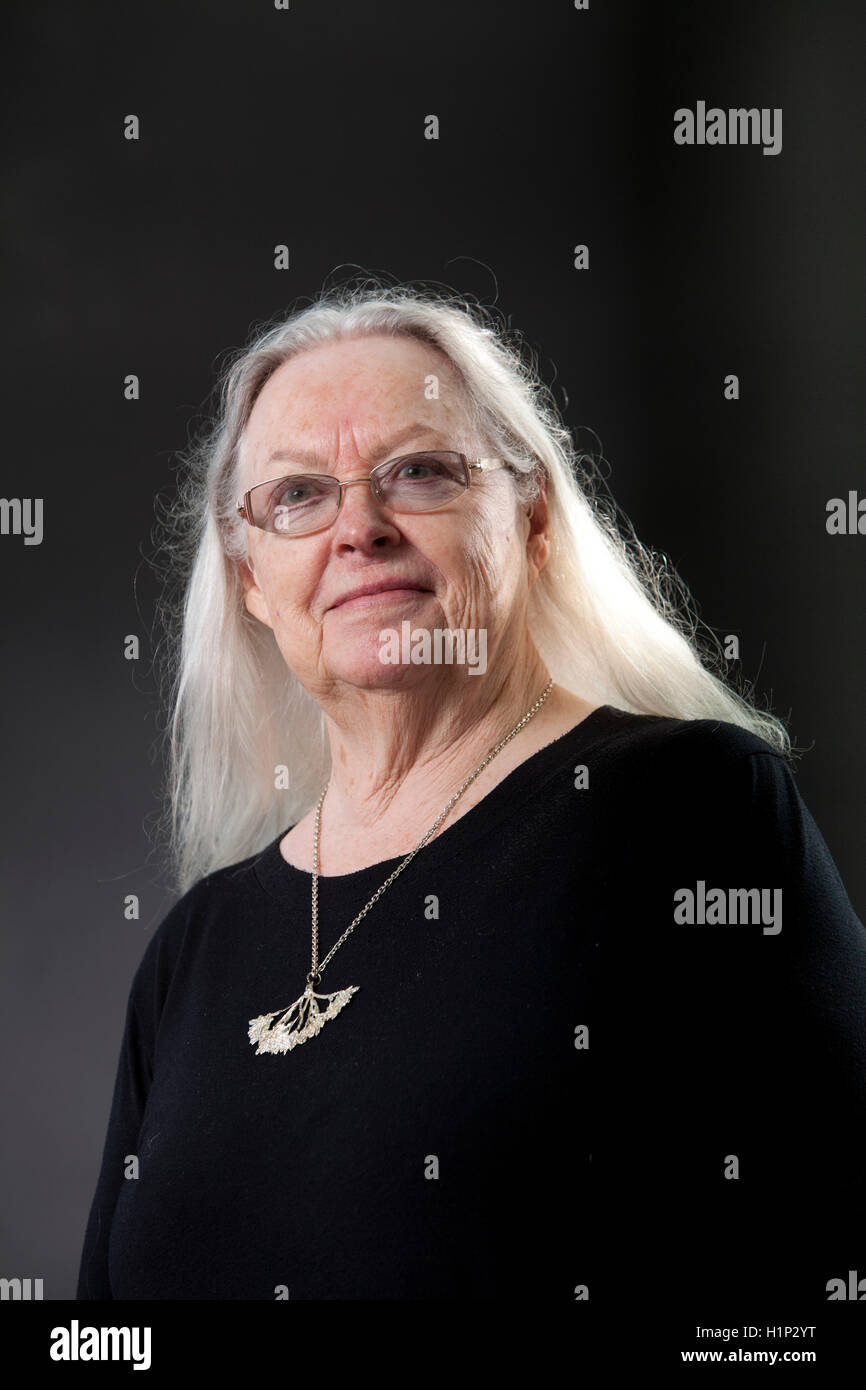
612, 620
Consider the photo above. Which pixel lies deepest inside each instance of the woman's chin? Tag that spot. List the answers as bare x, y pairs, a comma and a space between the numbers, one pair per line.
366, 671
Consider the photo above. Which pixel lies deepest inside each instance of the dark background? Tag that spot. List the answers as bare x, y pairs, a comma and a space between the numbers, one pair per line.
154, 257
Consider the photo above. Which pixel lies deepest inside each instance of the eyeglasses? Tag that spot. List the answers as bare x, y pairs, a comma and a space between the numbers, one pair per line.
300, 503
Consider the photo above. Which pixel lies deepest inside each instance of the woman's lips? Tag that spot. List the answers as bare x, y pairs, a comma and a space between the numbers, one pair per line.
384, 596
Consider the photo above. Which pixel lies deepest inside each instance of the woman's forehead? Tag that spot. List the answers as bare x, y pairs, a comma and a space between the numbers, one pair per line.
360, 365
378, 403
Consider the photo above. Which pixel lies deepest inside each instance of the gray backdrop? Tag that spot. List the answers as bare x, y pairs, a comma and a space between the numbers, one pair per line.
306, 127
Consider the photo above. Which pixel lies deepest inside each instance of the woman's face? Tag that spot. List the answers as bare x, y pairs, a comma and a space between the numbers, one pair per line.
351, 405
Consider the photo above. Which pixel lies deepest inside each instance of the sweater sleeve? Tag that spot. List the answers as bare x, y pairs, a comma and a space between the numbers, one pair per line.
752, 1104
133, 1079
811, 997
131, 1086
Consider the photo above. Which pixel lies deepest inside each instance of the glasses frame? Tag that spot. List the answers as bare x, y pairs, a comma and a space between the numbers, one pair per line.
470, 466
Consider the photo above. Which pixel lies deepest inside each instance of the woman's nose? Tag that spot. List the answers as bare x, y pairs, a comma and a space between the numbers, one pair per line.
361, 509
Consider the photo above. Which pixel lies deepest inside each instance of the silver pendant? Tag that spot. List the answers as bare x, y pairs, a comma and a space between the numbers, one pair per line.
288, 1028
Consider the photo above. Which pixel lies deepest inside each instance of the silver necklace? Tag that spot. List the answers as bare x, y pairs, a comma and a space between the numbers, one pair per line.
287, 1028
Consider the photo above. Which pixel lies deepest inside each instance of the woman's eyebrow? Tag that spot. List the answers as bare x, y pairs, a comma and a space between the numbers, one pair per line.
380, 451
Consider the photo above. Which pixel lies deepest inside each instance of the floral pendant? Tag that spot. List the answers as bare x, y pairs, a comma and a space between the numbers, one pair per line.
288, 1028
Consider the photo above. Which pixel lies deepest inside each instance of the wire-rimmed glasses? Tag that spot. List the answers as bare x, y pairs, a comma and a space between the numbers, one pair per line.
297, 504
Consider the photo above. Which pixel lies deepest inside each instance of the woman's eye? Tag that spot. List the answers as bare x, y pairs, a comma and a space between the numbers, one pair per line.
297, 492
412, 470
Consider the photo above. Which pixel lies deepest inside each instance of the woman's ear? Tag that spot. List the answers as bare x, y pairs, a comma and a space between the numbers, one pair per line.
254, 599
538, 536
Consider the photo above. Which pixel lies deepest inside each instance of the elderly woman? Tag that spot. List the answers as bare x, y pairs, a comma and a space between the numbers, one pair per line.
530, 977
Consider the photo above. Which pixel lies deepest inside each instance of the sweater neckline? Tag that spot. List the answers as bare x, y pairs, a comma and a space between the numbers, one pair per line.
276, 875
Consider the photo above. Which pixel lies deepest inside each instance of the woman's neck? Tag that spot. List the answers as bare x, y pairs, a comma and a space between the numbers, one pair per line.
391, 778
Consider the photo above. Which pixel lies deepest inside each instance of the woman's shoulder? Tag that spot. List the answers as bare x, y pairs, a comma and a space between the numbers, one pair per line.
671, 780
214, 905
694, 747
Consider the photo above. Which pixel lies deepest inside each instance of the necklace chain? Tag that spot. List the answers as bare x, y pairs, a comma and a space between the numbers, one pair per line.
315, 973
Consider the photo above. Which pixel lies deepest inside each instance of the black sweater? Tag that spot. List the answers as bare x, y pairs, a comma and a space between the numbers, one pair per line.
548, 1085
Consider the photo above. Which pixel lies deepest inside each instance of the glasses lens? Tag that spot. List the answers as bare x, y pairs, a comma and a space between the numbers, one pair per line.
422, 482
296, 504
